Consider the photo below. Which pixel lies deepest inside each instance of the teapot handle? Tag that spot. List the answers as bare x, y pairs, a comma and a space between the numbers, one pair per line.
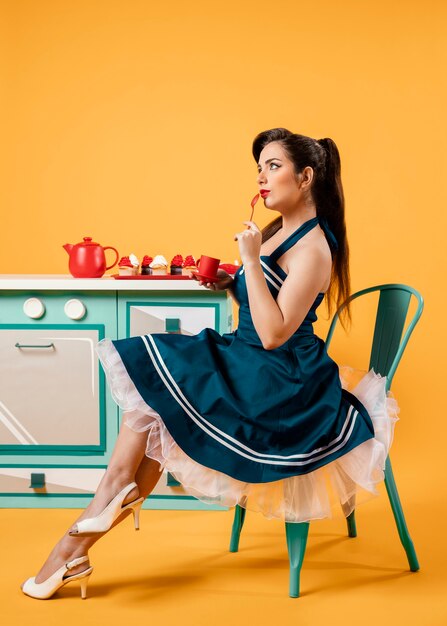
117, 256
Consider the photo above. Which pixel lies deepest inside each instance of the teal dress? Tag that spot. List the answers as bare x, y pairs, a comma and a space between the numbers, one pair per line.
230, 419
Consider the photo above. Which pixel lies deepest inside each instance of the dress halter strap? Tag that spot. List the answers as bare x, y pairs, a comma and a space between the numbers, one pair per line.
300, 232
332, 240
293, 238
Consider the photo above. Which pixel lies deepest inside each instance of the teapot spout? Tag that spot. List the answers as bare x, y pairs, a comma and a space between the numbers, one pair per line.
68, 247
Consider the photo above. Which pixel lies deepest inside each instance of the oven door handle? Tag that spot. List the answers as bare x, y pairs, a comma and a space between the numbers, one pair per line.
23, 345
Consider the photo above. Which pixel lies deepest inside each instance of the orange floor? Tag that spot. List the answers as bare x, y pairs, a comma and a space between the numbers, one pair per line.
177, 570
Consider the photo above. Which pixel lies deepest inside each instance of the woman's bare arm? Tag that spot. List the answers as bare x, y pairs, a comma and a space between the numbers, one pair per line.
276, 321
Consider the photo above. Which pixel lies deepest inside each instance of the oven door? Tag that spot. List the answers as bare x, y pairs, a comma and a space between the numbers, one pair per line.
51, 389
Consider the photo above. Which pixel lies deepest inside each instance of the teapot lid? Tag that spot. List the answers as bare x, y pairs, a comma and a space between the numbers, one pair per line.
88, 242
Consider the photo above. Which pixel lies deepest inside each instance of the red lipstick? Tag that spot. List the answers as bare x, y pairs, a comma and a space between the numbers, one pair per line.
264, 192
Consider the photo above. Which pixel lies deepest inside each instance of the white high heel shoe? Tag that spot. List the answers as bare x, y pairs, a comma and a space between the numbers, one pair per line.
102, 522
48, 587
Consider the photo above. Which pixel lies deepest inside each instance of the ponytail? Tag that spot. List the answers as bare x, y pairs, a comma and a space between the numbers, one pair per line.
327, 193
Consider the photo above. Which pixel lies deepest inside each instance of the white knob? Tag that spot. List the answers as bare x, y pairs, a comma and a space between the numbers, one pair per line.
75, 309
34, 308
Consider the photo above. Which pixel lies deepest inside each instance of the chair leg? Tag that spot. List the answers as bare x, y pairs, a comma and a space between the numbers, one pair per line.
399, 517
296, 537
350, 518
352, 528
238, 522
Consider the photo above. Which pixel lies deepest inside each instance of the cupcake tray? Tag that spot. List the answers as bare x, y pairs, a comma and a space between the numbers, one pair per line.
153, 277
228, 267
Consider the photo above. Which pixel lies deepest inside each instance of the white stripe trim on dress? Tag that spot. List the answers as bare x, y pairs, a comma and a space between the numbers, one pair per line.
269, 278
271, 281
185, 403
264, 264
304, 454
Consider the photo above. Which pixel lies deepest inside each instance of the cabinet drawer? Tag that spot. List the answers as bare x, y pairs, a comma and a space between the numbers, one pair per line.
51, 480
139, 317
186, 320
67, 480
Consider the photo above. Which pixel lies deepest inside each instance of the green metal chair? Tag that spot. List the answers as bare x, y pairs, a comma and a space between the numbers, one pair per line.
387, 350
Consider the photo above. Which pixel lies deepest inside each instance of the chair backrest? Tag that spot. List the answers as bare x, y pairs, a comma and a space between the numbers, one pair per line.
388, 344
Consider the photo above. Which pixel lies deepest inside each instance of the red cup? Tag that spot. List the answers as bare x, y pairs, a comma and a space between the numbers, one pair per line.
208, 266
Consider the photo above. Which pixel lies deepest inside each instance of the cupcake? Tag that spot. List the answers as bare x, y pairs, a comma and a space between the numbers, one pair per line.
128, 266
176, 264
159, 265
188, 264
145, 263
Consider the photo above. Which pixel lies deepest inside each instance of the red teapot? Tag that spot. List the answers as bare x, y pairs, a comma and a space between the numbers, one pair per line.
88, 259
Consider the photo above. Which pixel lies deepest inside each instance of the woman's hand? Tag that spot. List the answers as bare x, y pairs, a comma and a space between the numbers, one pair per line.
249, 243
225, 281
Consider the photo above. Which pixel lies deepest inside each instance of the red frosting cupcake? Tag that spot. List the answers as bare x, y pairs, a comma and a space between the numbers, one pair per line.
176, 264
188, 264
126, 267
147, 260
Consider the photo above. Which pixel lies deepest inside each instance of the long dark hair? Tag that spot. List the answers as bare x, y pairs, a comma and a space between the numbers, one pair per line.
327, 193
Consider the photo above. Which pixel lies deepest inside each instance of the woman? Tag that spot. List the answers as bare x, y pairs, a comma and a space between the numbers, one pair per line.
258, 417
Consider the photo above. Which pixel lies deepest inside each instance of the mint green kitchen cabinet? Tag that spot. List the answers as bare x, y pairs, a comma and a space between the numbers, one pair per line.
58, 421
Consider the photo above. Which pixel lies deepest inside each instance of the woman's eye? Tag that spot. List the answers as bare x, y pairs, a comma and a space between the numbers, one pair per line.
275, 164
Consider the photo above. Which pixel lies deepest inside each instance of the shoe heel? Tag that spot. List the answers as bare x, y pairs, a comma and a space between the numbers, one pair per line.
84, 583
136, 515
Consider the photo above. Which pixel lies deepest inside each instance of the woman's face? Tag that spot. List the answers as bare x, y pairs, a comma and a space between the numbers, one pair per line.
277, 174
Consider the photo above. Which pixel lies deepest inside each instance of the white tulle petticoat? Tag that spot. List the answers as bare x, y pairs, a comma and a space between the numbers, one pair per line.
337, 487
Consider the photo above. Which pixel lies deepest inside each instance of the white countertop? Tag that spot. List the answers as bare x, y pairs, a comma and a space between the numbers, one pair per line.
106, 283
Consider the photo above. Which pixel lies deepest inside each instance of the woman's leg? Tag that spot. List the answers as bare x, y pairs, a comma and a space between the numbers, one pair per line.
126, 457
128, 463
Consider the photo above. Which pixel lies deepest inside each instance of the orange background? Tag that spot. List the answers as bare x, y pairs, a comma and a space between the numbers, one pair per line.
132, 122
